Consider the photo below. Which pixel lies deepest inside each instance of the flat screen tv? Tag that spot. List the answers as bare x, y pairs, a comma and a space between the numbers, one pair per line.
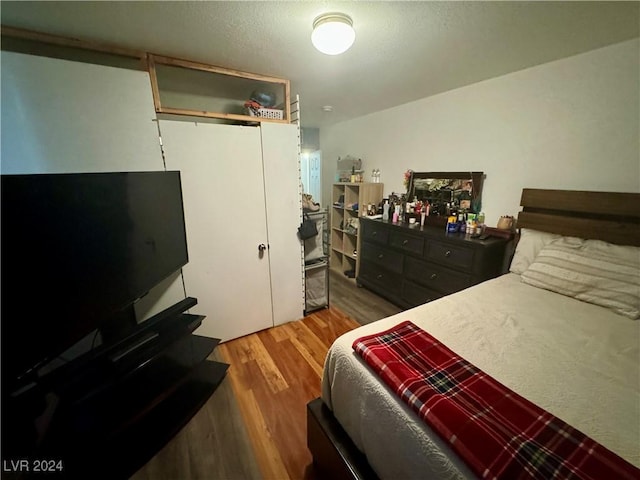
77, 251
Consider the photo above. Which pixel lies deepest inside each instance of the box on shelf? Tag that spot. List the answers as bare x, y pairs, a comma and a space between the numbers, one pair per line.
272, 113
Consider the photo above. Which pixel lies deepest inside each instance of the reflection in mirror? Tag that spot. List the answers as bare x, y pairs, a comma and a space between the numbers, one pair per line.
448, 191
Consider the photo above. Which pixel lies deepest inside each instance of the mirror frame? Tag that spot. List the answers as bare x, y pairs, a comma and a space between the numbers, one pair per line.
476, 177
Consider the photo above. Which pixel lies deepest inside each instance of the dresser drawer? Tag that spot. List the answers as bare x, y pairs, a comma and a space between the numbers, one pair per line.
389, 282
435, 276
383, 257
374, 233
410, 266
407, 243
415, 294
451, 255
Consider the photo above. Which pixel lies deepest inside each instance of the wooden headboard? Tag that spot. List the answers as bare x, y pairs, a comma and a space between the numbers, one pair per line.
609, 216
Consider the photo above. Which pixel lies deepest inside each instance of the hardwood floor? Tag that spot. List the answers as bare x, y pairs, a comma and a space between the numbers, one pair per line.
213, 445
274, 373
360, 304
254, 425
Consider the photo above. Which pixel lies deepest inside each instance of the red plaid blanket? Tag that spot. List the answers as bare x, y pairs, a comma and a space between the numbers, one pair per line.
498, 433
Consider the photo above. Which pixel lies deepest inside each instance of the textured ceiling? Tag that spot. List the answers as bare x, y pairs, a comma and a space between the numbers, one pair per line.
403, 50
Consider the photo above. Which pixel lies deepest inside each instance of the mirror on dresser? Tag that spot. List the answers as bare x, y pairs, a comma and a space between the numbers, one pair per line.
460, 190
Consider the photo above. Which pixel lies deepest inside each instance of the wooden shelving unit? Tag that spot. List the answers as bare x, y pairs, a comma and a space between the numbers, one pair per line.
221, 92
349, 202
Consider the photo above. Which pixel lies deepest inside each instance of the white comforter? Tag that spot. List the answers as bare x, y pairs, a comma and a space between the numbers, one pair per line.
578, 361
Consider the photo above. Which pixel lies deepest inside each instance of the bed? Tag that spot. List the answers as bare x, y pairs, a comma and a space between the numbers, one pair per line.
574, 354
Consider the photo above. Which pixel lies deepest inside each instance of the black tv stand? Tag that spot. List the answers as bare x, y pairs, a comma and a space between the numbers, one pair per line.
115, 409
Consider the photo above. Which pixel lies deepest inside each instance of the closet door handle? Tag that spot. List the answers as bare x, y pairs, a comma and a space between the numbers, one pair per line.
262, 247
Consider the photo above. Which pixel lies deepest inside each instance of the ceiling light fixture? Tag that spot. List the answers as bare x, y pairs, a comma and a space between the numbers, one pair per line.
333, 33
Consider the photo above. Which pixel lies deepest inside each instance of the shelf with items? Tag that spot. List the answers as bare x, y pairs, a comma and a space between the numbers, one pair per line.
183, 87
344, 243
349, 201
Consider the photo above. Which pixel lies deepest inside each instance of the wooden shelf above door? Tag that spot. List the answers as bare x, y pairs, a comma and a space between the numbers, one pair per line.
183, 87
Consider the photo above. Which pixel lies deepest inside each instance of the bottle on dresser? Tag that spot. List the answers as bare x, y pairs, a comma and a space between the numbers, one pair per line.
385, 210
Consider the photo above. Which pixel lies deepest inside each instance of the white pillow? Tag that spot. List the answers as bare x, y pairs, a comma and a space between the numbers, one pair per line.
529, 245
590, 270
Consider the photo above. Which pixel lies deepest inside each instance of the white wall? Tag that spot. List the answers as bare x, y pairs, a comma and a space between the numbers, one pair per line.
569, 124
60, 116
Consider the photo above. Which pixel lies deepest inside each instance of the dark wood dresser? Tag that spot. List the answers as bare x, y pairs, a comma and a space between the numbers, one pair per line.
412, 265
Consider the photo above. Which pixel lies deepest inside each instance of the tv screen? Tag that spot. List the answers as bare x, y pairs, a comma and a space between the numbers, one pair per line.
77, 250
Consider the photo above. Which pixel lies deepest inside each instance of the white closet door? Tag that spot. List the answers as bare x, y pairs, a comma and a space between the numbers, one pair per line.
223, 191
284, 213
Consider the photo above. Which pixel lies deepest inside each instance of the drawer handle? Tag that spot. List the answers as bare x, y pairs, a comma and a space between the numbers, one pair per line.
379, 276
434, 276
381, 255
447, 253
373, 234
404, 242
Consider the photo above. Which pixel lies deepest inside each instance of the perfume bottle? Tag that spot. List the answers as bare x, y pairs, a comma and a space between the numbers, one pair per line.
396, 214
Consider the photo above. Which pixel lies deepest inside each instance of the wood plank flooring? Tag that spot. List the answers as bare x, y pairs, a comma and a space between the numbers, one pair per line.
274, 373
254, 425
213, 445
360, 304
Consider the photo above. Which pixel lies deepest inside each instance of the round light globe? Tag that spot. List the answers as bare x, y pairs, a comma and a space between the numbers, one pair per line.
333, 33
